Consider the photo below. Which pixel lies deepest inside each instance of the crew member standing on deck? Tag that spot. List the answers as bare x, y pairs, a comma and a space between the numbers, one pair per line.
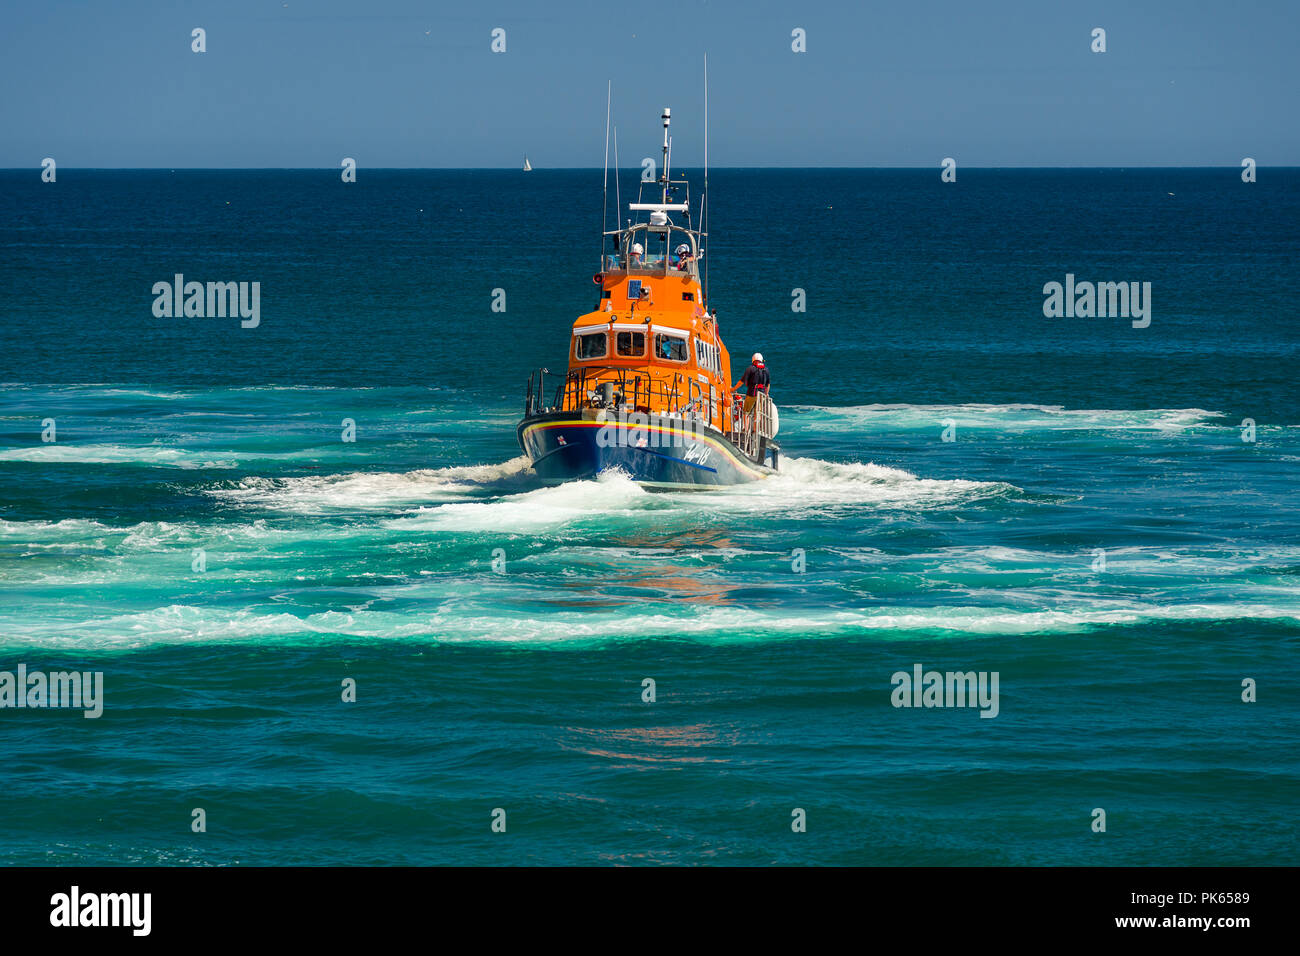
755, 380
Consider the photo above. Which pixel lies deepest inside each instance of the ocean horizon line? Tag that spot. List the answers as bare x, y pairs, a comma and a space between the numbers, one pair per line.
632, 169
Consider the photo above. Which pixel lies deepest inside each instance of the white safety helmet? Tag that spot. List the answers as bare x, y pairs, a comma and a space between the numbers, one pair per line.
758, 357
683, 248
636, 249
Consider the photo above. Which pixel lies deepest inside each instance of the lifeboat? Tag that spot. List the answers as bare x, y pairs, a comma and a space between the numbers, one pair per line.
648, 387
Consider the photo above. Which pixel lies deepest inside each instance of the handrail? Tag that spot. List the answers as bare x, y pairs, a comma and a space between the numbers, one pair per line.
633, 389
662, 264
763, 414
751, 431
638, 391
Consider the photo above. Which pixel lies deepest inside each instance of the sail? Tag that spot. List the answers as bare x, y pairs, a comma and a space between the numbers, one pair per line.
527, 165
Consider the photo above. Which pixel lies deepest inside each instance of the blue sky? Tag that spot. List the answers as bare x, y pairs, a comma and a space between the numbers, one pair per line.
292, 83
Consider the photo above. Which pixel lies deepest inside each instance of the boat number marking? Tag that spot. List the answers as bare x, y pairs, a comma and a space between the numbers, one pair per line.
699, 454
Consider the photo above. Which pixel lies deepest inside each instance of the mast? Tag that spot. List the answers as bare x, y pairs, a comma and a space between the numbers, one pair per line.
604, 206
704, 200
667, 118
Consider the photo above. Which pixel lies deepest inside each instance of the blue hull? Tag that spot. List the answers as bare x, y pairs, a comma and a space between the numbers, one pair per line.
563, 446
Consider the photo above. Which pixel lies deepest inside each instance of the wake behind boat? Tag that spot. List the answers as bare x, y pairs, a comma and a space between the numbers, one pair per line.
648, 388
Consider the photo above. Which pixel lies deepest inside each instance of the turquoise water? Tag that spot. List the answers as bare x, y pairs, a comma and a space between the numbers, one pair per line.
1120, 688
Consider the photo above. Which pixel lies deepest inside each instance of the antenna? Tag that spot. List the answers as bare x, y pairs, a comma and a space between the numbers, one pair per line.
667, 118
618, 197
668, 165
704, 201
604, 207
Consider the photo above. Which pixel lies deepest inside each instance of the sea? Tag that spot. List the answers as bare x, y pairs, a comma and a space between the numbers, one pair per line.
338, 622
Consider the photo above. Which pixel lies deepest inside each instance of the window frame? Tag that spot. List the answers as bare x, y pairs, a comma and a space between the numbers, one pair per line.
578, 336
683, 337
619, 353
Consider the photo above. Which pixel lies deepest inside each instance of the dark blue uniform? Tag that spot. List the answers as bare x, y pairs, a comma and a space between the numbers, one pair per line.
755, 379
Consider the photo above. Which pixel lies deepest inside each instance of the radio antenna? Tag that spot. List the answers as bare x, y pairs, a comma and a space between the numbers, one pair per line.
667, 118
704, 201
604, 207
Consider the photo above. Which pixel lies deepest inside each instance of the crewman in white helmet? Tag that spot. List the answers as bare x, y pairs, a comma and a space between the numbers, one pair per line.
637, 253
755, 380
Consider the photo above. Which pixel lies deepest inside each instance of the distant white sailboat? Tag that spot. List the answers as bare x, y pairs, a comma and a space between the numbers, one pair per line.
528, 167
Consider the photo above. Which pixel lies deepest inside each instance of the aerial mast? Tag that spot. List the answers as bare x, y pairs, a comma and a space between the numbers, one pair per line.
704, 201
604, 207
667, 118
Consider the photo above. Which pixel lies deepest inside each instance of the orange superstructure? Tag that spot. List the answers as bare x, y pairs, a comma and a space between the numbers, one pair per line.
653, 340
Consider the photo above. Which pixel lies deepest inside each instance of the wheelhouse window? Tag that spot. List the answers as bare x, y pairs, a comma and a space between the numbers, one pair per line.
593, 345
630, 344
671, 348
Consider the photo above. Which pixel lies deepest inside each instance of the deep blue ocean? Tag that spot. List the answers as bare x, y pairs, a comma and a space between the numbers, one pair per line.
1104, 530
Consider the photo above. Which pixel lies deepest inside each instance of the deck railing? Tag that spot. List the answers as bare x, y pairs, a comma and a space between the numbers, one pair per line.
752, 430
611, 388
614, 387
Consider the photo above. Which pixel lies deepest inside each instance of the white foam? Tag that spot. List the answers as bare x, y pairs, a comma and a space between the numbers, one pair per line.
1010, 417
371, 491
144, 537
807, 484
804, 485
1146, 561
178, 624
164, 456
610, 494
